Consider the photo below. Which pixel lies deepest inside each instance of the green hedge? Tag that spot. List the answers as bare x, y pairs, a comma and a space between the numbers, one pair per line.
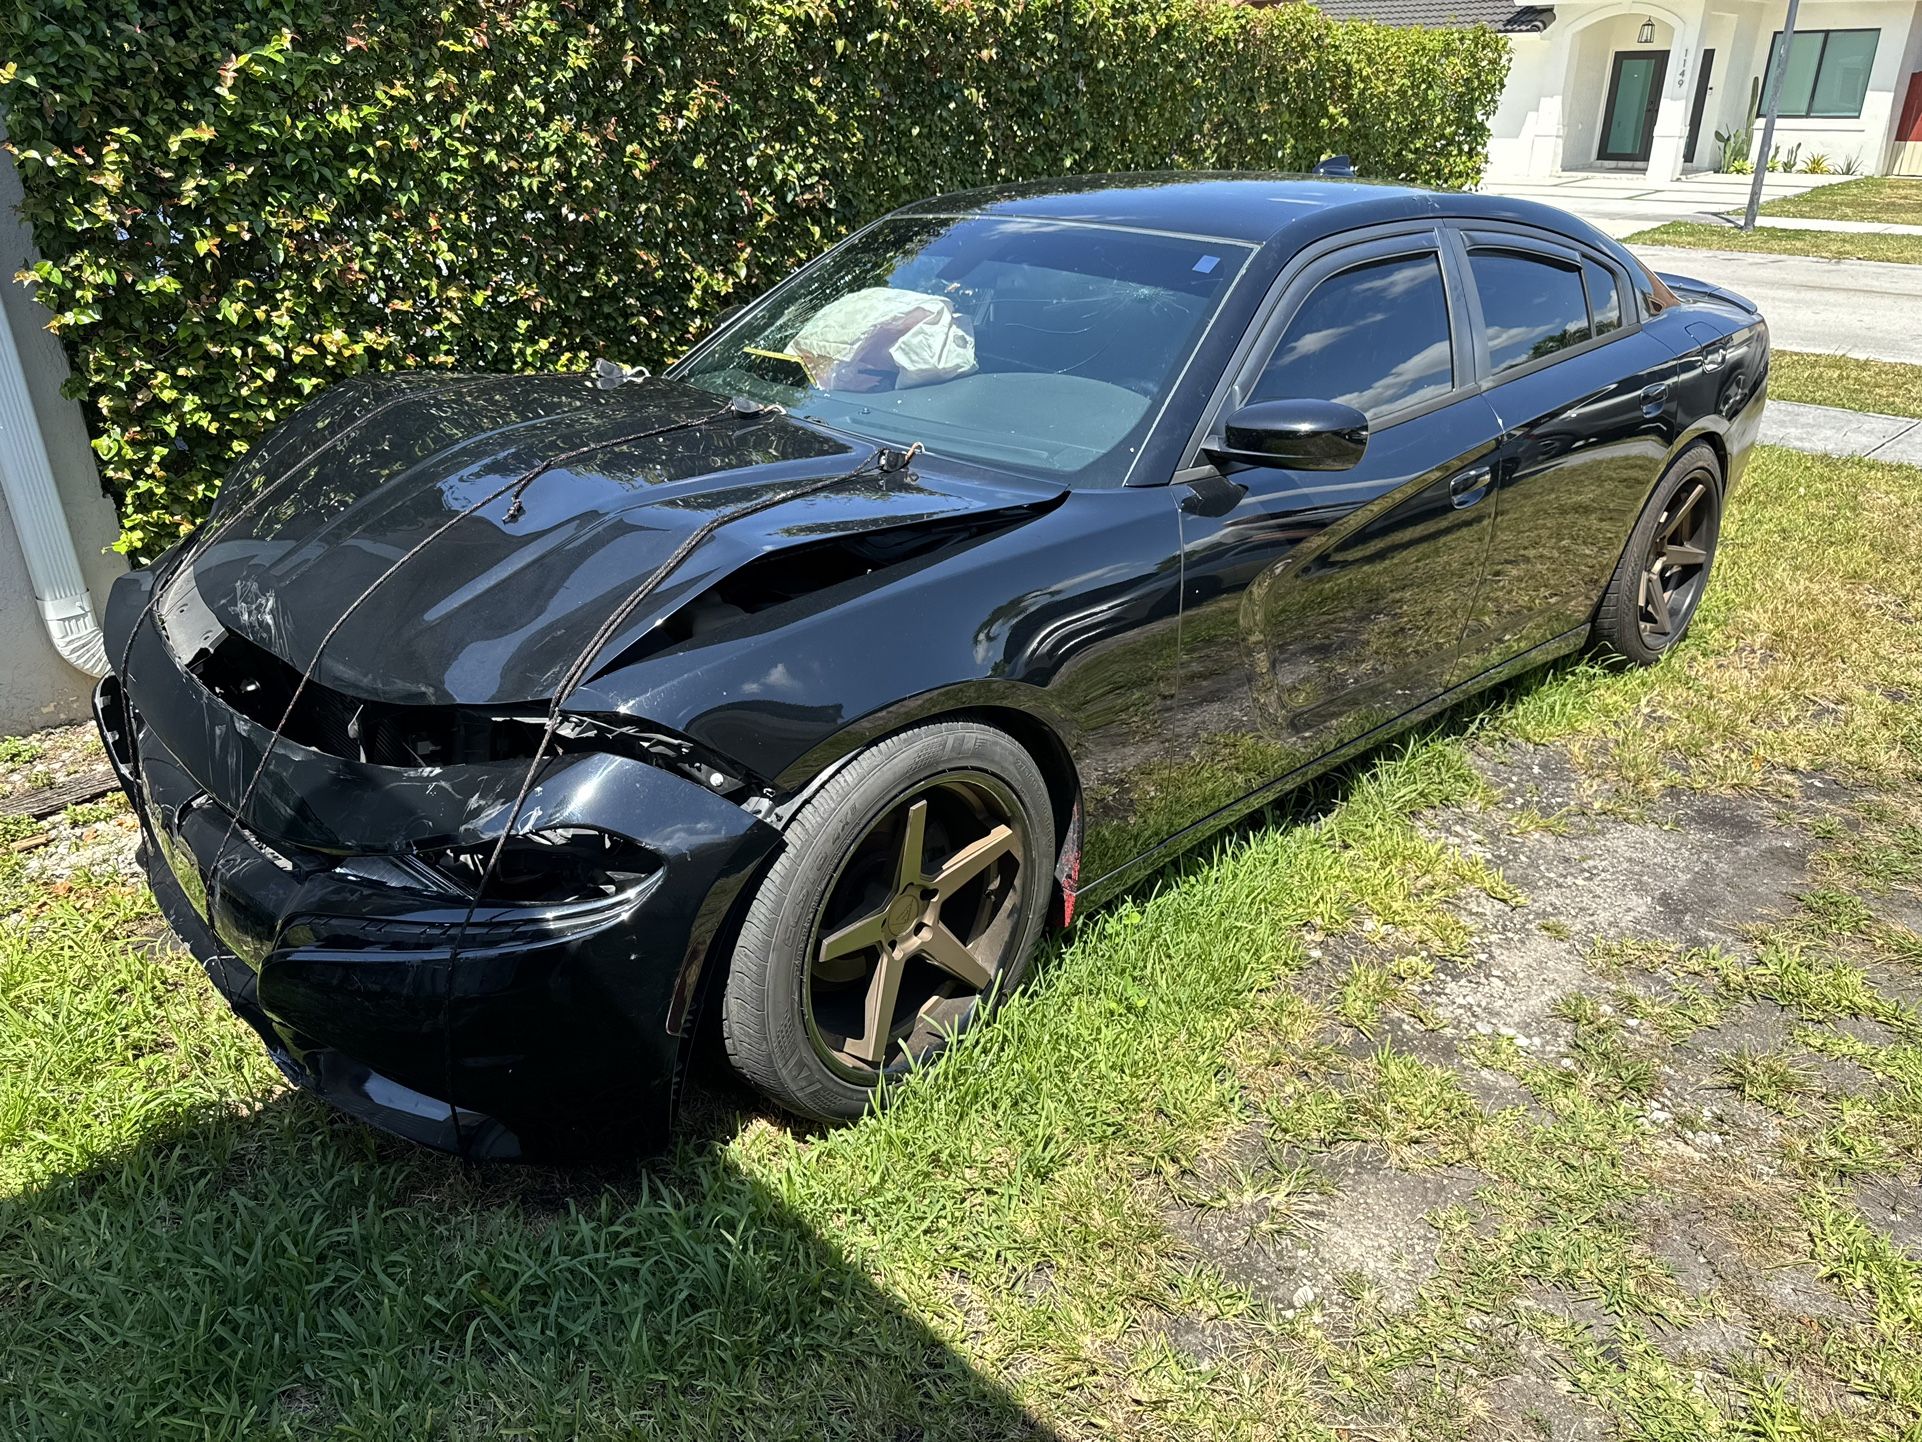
238, 201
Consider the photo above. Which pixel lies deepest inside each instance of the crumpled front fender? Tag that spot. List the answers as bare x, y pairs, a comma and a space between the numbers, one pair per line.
520, 1030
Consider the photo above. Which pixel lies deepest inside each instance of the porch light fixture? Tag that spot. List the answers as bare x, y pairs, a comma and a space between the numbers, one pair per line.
1647, 35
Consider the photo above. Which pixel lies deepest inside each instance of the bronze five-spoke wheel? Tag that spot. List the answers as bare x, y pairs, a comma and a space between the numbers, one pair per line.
910, 892
1675, 566
1665, 567
918, 925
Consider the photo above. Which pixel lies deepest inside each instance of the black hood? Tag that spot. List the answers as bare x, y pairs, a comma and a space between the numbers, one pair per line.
493, 611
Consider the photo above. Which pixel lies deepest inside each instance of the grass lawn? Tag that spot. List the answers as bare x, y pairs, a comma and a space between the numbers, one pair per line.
1823, 244
1890, 387
1650, 1174
1881, 198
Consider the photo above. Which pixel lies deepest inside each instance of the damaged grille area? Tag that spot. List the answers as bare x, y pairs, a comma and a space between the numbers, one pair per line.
259, 685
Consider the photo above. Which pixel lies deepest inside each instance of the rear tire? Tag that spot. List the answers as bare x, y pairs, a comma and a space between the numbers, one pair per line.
908, 898
1658, 583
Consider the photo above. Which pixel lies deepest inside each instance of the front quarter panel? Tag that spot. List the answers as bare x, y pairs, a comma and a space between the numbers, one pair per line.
1070, 618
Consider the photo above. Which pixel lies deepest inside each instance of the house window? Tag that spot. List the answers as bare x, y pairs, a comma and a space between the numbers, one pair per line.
1828, 72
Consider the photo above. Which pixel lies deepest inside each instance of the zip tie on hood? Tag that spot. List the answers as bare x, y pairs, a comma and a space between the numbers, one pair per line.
738, 406
883, 462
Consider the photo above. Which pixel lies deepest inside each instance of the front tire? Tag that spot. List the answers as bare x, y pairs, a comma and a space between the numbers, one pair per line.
1657, 585
909, 896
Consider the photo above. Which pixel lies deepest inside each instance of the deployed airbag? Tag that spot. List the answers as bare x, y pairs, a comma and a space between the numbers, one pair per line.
883, 339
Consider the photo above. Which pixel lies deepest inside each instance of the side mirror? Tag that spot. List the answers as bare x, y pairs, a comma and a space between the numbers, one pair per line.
1300, 435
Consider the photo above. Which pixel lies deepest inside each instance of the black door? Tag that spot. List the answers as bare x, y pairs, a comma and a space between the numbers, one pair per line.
1634, 97
1318, 606
1696, 107
1585, 399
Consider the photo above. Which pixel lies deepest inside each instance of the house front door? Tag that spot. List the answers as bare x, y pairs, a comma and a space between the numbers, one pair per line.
1634, 95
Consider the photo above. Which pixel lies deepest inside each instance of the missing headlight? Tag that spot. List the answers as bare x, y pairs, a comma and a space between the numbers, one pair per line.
268, 690
549, 868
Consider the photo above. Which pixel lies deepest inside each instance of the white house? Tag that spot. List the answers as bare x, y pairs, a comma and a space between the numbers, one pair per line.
1645, 88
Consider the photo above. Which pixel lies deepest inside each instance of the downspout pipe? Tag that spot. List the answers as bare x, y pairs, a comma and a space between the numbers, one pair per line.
40, 520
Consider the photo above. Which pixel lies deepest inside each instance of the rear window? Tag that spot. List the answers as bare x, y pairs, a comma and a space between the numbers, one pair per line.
1604, 297
1531, 306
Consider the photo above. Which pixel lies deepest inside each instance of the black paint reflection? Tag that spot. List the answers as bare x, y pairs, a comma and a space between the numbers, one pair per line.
1323, 606
1579, 457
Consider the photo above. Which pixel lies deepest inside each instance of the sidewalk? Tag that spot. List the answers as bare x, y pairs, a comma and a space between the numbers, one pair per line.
1621, 203
1829, 431
1796, 222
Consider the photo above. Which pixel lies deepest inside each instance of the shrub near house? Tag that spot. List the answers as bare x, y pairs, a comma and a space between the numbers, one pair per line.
236, 204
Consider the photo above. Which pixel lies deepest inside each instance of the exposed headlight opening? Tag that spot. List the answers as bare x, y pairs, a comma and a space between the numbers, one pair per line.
260, 686
548, 868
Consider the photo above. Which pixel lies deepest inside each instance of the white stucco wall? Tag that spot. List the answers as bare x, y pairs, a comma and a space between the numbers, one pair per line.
1865, 138
37, 687
1517, 119
1727, 84
1550, 113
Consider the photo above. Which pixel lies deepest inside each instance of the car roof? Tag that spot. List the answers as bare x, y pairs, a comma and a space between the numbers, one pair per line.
1253, 207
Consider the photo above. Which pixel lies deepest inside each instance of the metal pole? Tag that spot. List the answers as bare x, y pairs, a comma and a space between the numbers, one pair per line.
1770, 103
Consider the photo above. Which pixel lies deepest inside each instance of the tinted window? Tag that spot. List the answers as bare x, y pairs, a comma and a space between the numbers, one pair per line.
1827, 74
1375, 337
1530, 307
1604, 300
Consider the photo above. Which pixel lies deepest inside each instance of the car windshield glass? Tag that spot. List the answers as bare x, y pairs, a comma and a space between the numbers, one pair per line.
1041, 346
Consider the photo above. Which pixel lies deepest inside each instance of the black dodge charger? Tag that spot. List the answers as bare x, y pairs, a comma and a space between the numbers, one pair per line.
495, 731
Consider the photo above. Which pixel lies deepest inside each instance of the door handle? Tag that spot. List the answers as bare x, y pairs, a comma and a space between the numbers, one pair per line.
1469, 486
1654, 398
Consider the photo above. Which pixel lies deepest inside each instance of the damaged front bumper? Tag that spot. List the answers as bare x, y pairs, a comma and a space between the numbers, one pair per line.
536, 1028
